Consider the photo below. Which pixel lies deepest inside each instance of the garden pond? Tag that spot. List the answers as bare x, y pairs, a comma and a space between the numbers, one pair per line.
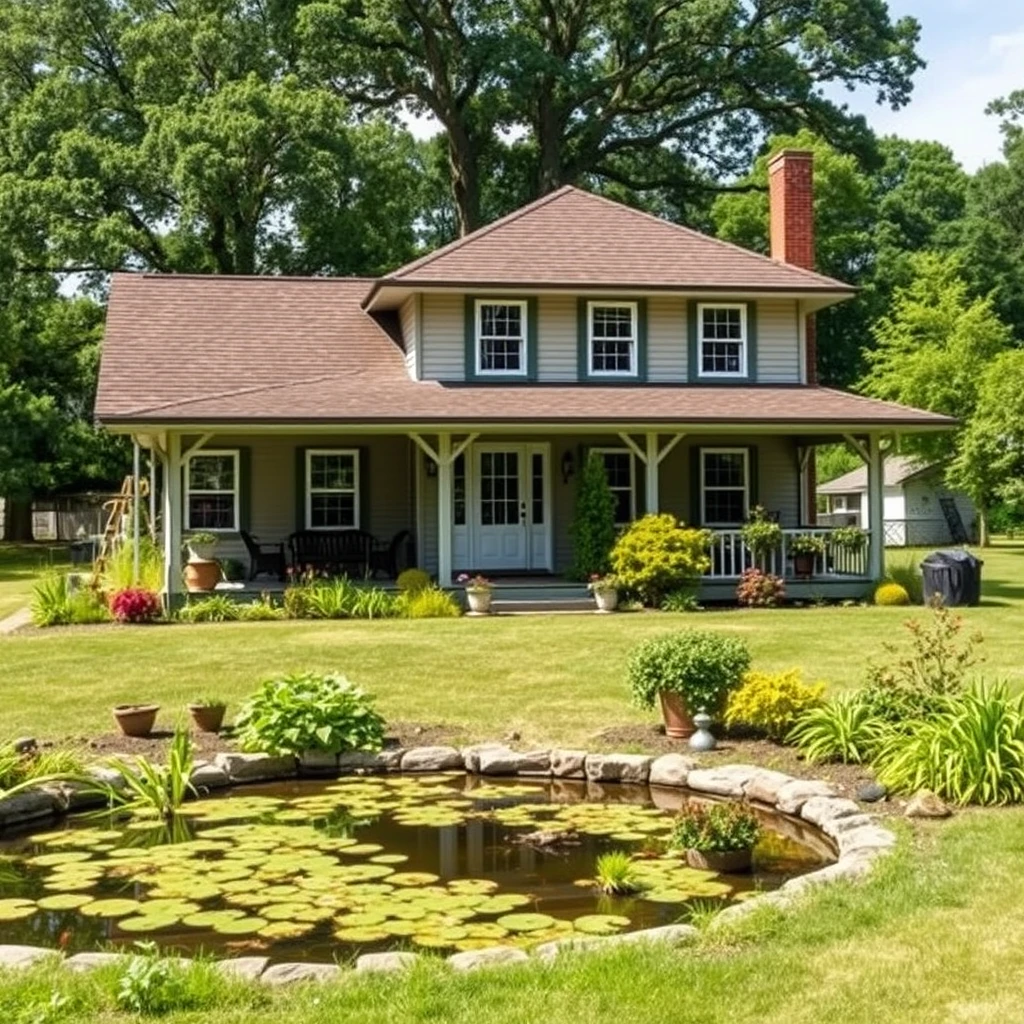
319, 871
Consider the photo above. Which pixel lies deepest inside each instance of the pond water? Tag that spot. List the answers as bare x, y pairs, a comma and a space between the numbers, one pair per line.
326, 870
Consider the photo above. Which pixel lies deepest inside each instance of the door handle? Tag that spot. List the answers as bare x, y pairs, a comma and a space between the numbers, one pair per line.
522, 512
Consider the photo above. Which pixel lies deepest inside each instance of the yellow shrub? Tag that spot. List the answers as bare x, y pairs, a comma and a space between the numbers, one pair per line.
411, 581
771, 702
657, 554
430, 603
891, 594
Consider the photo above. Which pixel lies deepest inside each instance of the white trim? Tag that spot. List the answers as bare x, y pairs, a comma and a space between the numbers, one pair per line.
524, 360
197, 453
634, 337
745, 452
744, 340
308, 487
608, 450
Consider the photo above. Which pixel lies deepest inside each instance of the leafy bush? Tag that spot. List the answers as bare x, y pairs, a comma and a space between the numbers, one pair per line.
151, 984
87, 606
119, 567
306, 711
615, 874
430, 603
412, 581
715, 828
338, 599
891, 595
844, 728
969, 750
848, 538
262, 610
684, 599
657, 555
374, 603
593, 525
16, 768
51, 601
296, 602
700, 666
761, 535
771, 702
907, 574
759, 589
331, 599
807, 544
216, 608
135, 605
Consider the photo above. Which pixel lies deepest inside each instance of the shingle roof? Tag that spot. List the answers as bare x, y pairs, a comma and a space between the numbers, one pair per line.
576, 239
898, 469
216, 349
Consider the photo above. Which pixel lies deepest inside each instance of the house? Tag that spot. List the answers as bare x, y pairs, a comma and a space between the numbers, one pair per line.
457, 397
917, 508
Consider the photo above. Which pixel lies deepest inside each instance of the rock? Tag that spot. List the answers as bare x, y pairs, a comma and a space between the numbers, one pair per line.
777, 900
243, 968
107, 776
431, 759
387, 760
380, 963
925, 804
635, 768
317, 762
25, 745
471, 755
508, 762
845, 869
671, 770
289, 974
820, 809
14, 957
674, 934
793, 795
866, 837
568, 764
835, 827
491, 956
871, 792
78, 796
729, 780
208, 776
512, 737
255, 767
29, 806
765, 784
572, 943
82, 963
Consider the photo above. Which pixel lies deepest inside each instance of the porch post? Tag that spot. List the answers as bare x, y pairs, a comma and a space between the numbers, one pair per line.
136, 507
172, 517
152, 491
876, 544
445, 469
652, 467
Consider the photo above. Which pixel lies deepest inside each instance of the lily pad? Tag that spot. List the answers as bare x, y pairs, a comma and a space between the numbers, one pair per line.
63, 901
525, 922
16, 909
110, 908
601, 924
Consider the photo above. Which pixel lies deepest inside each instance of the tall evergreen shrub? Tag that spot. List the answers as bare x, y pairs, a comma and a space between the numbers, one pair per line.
593, 525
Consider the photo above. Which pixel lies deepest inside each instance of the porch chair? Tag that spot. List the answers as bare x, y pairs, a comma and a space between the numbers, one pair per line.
385, 557
267, 558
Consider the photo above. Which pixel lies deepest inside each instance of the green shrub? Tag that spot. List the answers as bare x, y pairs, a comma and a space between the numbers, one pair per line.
657, 555
306, 711
907, 573
374, 603
296, 602
119, 567
51, 600
88, 606
891, 595
430, 603
593, 526
216, 608
330, 599
761, 535
151, 984
700, 666
715, 828
771, 702
16, 769
263, 610
683, 599
413, 580
844, 728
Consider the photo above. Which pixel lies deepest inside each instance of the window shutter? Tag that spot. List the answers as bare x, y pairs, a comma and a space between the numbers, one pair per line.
469, 328
532, 339
300, 488
582, 366
753, 475
752, 341
692, 363
695, 517
244, 485
641, 340
364, 488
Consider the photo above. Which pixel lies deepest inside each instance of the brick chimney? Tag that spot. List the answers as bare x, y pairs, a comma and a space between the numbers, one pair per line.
791, 205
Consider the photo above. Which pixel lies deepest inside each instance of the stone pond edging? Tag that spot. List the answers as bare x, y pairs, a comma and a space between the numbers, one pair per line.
857, 839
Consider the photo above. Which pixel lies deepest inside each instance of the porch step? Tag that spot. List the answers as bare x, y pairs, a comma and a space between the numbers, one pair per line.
551, 604
540, 596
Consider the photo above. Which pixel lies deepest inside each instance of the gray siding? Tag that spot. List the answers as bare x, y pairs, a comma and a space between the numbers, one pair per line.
408, 320
778, 344
556, 325
666, 338
443, 336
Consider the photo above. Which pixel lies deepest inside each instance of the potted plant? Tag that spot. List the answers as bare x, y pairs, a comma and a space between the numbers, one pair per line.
201, 572
685, 671
207, 713
716, 837
136, 719
605, 590
478, 593
806, 549
848, 538
761, 535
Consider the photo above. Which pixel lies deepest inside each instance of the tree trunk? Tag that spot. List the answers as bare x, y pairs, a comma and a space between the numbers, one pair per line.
464, 162
549, 142
18, 519
983, 537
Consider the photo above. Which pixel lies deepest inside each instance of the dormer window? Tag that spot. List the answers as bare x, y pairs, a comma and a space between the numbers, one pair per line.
722, 340
612, 334
501, 338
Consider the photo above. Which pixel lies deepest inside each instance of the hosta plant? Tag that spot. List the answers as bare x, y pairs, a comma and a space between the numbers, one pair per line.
135, 605
304, 712
715, 828
844, 728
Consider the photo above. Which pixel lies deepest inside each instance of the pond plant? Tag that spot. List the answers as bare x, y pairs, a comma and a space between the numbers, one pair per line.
615, 874
717, 836
154, 790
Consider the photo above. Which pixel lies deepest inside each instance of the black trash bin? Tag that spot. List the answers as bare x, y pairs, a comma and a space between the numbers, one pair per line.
954, 575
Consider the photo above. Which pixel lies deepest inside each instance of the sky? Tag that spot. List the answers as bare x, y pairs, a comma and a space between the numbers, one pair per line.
975, 53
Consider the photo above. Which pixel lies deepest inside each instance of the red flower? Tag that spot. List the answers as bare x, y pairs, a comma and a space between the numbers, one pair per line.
135, 604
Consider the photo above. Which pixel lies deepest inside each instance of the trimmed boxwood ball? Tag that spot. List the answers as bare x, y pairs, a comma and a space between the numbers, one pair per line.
891, 594
699, 665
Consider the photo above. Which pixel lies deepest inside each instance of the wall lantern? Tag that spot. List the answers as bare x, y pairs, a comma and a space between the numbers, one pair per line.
568, 467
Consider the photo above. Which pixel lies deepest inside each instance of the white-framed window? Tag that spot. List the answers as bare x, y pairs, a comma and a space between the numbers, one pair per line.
211, 490
501, 337
611, 339
724, 486
620, 469
721, 340
332, 489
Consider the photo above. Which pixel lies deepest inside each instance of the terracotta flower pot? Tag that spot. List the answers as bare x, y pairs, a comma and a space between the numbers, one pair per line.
803, 565
727, 862
207, 717
201, 576
678, 721
136, 719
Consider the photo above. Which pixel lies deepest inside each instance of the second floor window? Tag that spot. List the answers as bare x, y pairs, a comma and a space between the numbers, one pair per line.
501, 337
612, 332
722, 341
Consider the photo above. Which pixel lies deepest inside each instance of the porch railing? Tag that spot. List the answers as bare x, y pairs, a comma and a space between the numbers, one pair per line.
731, 558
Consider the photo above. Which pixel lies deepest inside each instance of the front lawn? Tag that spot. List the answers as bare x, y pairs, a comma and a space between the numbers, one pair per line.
20, 566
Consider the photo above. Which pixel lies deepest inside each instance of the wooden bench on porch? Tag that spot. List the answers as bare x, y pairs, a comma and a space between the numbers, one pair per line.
335, 551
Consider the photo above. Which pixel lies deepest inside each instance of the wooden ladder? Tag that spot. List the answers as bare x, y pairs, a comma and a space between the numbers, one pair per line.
119, 509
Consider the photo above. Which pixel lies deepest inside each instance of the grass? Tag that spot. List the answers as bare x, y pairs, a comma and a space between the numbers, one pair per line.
20, 566
553, 679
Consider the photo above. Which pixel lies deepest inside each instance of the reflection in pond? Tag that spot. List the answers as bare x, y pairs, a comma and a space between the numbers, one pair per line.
322, 870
